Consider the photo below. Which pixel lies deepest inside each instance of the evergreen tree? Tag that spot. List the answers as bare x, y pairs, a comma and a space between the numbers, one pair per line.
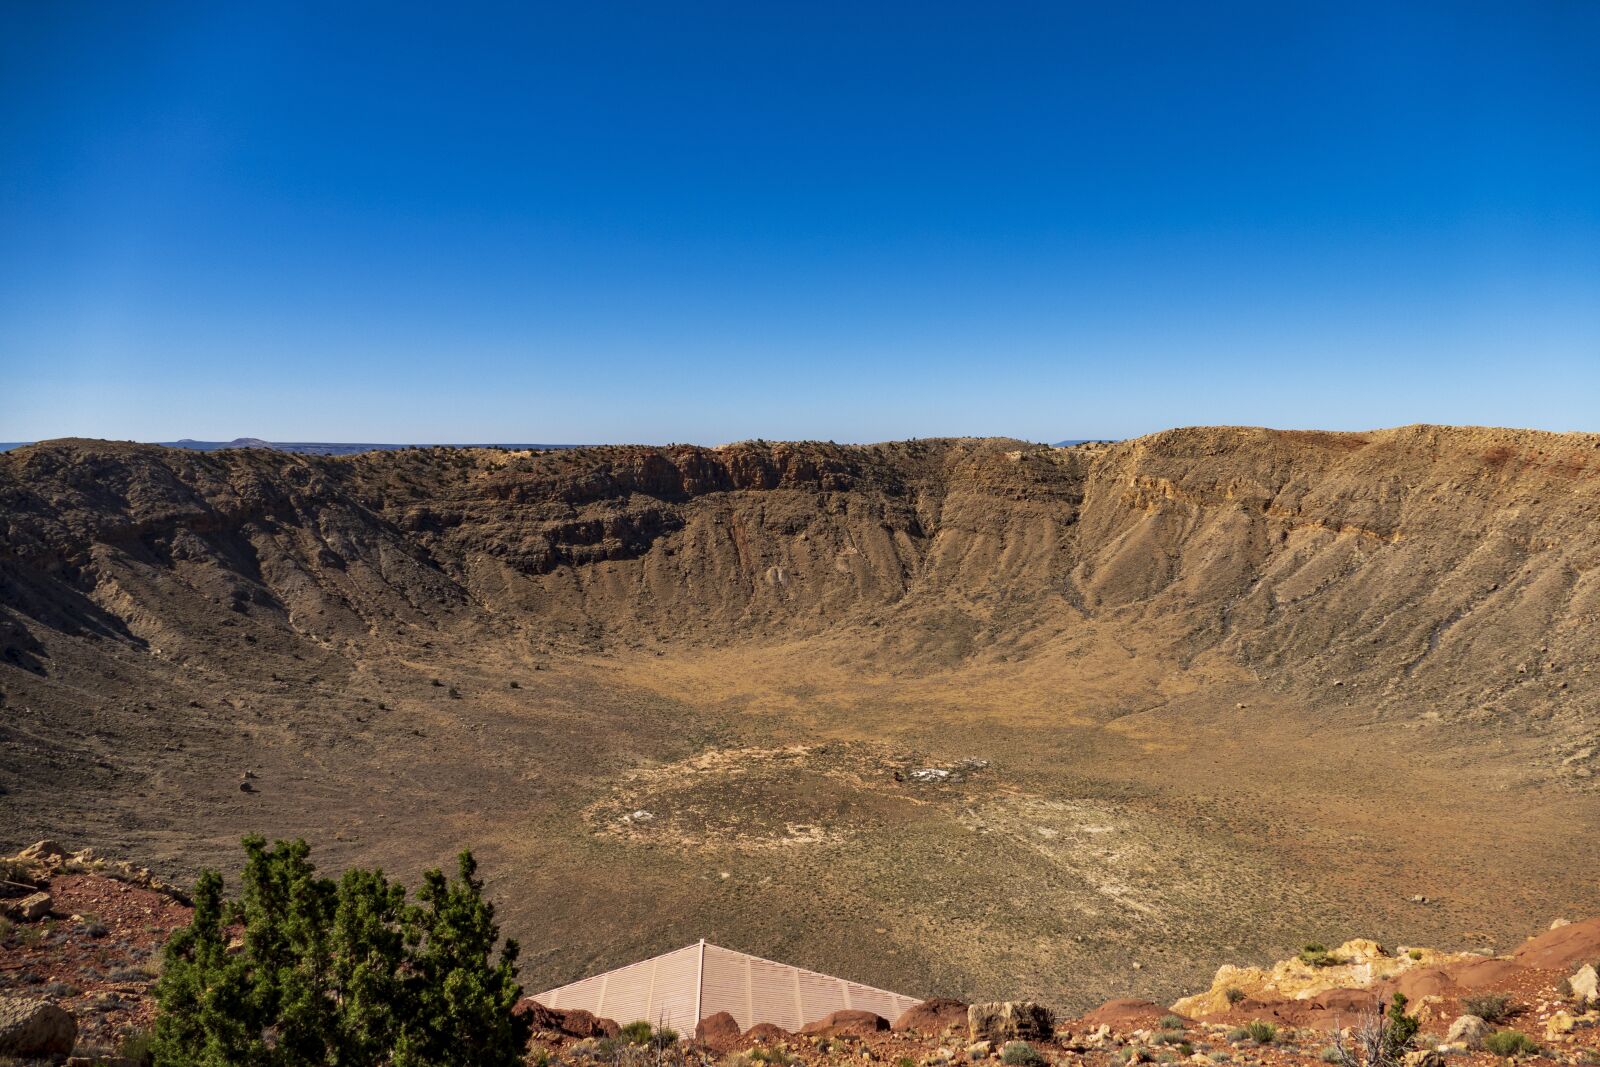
338, 975
464, 996
372, 935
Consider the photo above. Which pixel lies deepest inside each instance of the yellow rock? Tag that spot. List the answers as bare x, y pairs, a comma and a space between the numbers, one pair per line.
1366, 962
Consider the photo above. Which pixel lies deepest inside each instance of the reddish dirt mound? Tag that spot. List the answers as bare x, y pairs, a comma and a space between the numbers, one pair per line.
1127, 1013
1423, 982
1454, 979
846, 1023
719, 1032
1566, 948
104, 962
932, 1016
1485, 974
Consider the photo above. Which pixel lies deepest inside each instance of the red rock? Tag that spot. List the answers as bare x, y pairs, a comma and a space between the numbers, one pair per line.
846, 1023
719, 1032
577, 1022
542, 1018
1485, 974
767, 1033
1563, 949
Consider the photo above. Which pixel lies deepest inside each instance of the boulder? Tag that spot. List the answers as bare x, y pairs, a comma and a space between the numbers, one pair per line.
979, 1050
1010, 1020
1468, 1030
42, 851
29, 909
35, 1029
719, 1032
767, 1033
577, 1022
932, 1016
846, 1023
1559, 1025
1585, 985
539, 1016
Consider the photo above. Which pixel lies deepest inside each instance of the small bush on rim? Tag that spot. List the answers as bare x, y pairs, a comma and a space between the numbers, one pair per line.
1494, 1008
1020, 1054
1510, 1043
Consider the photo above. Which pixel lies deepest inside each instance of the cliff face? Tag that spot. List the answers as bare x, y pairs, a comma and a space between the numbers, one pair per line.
1454, 565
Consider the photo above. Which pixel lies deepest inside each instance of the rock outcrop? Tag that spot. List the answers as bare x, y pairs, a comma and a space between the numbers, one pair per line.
1010, 1020
35, 1029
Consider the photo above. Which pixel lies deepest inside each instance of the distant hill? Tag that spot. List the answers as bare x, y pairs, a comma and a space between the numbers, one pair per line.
341, 448
316, 448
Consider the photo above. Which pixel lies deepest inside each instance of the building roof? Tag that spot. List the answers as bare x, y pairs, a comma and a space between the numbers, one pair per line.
679, 988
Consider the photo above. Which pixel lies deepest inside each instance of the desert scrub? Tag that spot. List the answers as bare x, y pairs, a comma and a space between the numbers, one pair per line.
1171, 1022
1234, 995
1492, 1008
1510, 1043
1261, 1032
1316, 954
1331, 1054
1415, 954
1020, 1054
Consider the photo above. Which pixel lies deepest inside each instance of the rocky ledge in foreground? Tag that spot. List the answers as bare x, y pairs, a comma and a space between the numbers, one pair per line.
82, 939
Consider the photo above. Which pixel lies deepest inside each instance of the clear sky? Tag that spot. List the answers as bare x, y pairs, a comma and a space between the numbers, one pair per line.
689, 222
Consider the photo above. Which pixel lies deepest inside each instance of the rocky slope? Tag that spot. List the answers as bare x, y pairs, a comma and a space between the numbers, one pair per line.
1451, 566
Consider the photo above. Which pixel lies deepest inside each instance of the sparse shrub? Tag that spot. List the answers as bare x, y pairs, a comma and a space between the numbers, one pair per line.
138, 1047
905, 1061
1261, 1032
1166, 1037
1234, 995
1415, 953
1316, 954
636, 1033
1380, 1039
58, 989
1238, 1033
541, 1058
1170, 1022
1020, 1054
1330, 1055
1492, 1008
1510, 1043
1185, 1049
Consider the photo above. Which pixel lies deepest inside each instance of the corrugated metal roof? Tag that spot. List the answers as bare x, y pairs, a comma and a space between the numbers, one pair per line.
679, 988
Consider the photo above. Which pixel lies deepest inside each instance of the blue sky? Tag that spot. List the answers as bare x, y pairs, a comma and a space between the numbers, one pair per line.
689, 222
